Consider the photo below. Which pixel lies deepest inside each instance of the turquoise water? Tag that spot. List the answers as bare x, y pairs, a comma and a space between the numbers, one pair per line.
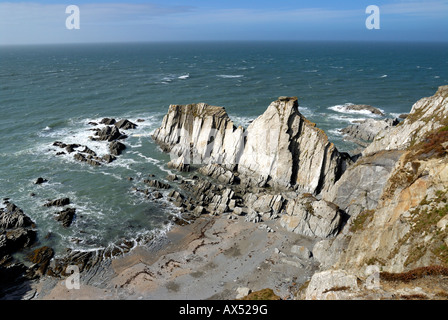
51, 93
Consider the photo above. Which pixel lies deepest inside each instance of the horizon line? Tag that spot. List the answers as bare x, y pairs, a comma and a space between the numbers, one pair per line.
229, 40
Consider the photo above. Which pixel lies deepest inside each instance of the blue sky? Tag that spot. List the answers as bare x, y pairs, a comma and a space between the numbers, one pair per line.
32, 22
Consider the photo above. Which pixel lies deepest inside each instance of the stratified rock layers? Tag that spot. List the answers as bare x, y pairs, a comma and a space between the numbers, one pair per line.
281, 148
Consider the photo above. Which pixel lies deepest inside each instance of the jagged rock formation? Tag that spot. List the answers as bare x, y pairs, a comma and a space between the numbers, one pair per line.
284, 149
364, 131
396, 196
427, 114
262, 171
280, 148
199, 134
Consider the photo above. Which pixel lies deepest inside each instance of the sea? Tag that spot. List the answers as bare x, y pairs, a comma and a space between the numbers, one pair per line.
51, 93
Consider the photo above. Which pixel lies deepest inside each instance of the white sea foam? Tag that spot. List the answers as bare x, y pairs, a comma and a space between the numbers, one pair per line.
229, 76
183, 77
384, 76
344, 118
344, 109
335, 132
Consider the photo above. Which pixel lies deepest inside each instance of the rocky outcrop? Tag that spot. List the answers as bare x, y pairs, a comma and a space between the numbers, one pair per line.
364, 131
427, 115
363, 108
361, 186
397, 202
310, 217
17, 233
283, 149
199, 134
280, 148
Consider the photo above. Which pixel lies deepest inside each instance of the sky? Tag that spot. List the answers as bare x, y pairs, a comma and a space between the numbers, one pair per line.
42, 22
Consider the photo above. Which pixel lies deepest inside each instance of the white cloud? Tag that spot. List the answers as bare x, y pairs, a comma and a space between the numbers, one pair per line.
417, 8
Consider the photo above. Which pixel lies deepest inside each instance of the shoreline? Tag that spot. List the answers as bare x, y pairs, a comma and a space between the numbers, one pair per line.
208, 259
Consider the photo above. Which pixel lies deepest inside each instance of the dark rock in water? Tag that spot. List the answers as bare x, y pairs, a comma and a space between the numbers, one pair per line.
157, 184
364, 107
40, 180
88, 160
108, 158
157, 195
60, 153
71, 147
108, 133
140, 120
125, 124
66, 216
108, 121
42, 257
88, 151
116, 148
19, 238
93, 123
59, 144
13, 217
58, 203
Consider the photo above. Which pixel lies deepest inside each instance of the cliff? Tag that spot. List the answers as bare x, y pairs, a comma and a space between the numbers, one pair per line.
280, 149
384, 216
427, 114
396, 196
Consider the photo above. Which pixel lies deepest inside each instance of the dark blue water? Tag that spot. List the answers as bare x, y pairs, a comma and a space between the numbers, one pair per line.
50, 93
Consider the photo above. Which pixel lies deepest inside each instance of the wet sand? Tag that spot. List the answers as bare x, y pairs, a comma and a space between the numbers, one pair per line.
207, 259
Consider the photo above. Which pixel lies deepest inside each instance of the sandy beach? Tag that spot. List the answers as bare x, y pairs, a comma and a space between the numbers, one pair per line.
208, 259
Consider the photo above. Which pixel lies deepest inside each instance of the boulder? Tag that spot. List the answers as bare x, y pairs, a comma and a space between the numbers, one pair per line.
108, 158
108, 133
331, 285
125, 124
107, 121
116, 148
40, 180
66, 216
58, 202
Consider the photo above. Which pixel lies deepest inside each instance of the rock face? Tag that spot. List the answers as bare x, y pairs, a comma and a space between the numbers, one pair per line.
362, 184
17, 233
365, 131
396, 199
199, 134
280, 148
284, 149
310, 217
